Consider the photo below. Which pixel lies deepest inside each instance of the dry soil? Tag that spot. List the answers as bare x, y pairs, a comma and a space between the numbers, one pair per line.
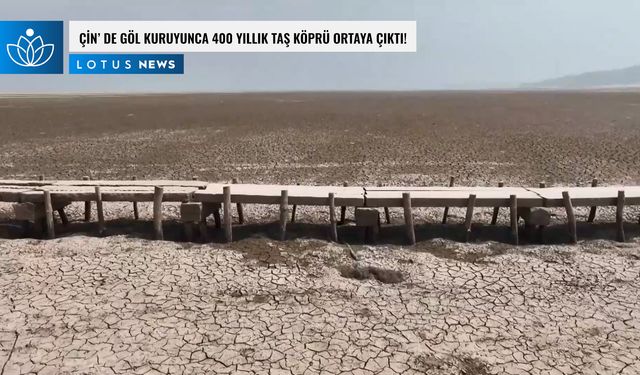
124, 304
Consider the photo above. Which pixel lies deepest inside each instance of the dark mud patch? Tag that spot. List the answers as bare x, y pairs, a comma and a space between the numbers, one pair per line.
382, 275
473, 366
406, 261
429, 364
446, 250
551, 255
260, 251
364, 312
261, 298
266, 252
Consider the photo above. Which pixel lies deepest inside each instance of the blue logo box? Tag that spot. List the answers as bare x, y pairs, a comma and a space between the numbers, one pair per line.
126, 64
31, 47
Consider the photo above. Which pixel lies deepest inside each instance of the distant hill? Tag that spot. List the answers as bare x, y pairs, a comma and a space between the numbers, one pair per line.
625, 77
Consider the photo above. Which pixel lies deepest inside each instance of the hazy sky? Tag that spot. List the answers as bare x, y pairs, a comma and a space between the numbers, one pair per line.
461, 44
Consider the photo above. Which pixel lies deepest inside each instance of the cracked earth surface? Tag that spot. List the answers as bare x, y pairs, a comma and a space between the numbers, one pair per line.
125, 305
122, 305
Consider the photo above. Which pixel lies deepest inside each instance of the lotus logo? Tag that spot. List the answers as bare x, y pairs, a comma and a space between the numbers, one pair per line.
30, 51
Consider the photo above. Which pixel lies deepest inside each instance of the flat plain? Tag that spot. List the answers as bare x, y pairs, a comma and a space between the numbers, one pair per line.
421, 138
124, 304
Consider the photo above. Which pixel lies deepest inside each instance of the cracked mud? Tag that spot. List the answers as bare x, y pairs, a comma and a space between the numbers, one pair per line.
120, 305
124, 305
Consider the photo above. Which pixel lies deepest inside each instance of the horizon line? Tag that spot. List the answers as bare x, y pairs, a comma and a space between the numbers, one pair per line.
141, 93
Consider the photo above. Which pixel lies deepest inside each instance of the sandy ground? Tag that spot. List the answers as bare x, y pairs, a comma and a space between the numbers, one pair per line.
125, 304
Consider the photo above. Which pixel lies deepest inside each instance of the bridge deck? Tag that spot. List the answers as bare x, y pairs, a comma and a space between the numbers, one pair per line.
390, 196
109, 193
589, 196
31, 204
118, 183
451, 196
494, 196
270, 194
